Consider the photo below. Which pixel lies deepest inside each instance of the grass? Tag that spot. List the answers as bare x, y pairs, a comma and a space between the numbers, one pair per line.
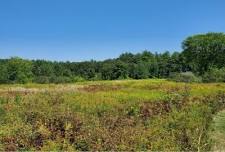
152, 114
218, 133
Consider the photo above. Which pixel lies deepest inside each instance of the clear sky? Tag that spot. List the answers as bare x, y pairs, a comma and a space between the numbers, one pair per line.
78, 30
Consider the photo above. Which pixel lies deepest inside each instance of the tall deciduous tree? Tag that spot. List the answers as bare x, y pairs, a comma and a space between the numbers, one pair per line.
205, 50
19, 70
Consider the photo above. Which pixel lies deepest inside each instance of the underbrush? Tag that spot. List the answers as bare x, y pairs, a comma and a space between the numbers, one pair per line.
91, 120
188, 77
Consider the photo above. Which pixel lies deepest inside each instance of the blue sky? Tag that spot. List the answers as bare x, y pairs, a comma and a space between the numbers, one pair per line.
78, 30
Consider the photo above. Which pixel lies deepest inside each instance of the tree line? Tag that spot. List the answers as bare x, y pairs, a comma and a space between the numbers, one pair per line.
201, 54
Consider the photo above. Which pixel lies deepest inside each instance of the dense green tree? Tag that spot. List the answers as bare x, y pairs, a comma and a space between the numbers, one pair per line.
61, 69
19, 70
114, 70
3, 73
120, 70
107, 71
86, 69
205, 50
147, 56
43, 68
163, 63
127, 58
174, 63
139, 71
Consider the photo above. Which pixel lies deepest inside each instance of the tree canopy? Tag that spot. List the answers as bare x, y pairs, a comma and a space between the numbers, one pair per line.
204, 51
200, 54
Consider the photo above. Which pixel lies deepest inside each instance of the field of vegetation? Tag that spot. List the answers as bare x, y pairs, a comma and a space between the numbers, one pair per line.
151, 114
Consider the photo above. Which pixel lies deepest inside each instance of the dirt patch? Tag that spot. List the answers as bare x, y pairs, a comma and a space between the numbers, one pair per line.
150, 109
14, 91
10, 144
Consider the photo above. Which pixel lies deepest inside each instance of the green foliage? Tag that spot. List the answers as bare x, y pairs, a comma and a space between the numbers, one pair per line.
60, 79
78, 79
43, 68
205, 50
16, 70
135, 66
200, 52
3, 73
184, 77
42, 79
214, 75
114, 70
139, 71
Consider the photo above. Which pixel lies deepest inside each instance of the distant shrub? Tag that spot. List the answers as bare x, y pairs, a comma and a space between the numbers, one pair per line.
60, 79
214, 75
97, 77
42, 79
78, 79
184, 77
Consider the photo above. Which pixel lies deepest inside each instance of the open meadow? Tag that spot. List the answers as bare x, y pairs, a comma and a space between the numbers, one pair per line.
151, 114
115, 75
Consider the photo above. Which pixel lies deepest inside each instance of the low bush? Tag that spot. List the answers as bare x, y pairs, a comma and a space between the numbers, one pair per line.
60, 79
42, 79
184, 77
214, 75
78, 79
